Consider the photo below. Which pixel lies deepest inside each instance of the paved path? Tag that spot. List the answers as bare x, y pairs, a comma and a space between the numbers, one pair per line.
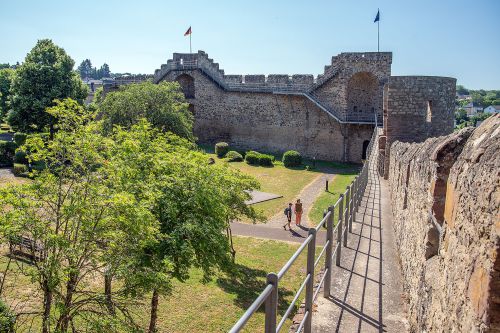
366, 289
258, 196
273, 229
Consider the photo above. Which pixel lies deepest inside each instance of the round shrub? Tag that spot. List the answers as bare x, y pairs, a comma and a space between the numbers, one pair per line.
38, 165
20, 157
20, 170
20, 138
292, 158
234, 156
221, 149
266, 160
252, 157
7, 152
7, 319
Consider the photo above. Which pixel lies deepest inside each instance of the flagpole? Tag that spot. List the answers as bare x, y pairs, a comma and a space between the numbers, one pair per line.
190, 51
378, 33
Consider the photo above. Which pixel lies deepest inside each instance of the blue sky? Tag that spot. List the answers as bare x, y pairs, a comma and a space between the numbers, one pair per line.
427, 37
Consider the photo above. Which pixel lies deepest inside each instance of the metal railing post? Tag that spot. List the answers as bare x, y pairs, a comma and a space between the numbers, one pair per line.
272, 304
311, 248
339, 230
347, 217
329, 250
355, 201
351, 211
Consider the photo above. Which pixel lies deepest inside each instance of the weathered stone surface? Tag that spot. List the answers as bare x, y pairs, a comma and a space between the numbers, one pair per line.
416, 108
245, 112
453, 281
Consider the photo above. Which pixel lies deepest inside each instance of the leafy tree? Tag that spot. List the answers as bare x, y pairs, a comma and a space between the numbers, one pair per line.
103, 71
461, 90
77, 221
6, 75
45, 75
85, 69
193, 203
461, 116
163, 105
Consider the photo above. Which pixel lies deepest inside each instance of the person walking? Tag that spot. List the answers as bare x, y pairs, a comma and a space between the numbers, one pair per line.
288, 214
298, 212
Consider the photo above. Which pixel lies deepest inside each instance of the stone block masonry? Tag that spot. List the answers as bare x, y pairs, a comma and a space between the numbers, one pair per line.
329, 117
445, 195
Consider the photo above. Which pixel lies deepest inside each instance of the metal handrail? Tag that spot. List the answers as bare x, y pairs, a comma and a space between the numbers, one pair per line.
346, 206
290, 261
292, 303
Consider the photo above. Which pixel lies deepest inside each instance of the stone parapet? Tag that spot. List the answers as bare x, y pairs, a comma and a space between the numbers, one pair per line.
445, 195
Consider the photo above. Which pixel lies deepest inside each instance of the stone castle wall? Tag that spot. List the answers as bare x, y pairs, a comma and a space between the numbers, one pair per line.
445, 195
269, 122
328, 117
416, 108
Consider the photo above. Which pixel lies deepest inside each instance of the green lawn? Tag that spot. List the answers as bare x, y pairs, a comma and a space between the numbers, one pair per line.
279, 180
327, 199
215, 306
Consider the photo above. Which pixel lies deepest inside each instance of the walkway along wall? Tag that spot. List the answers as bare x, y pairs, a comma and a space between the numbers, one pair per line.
445, 195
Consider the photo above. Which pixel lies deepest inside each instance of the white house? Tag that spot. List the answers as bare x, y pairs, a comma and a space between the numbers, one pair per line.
472, 109
492, 109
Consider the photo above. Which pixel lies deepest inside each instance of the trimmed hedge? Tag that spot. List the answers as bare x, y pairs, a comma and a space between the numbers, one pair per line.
252, 157
20, 138
7, 153
38, 165
20, 157
256, 158
221, 149
266, 160
292, 158
234, 156
20, 170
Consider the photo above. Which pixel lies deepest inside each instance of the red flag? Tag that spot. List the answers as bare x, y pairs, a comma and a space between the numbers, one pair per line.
188, 32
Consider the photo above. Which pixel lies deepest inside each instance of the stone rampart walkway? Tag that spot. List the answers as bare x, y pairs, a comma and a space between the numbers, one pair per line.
366, 289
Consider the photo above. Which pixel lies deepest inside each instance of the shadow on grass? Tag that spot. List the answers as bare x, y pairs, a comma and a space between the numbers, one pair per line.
247, 283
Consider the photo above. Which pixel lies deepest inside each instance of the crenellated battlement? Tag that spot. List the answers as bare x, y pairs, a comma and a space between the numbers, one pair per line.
296, 83
200, 60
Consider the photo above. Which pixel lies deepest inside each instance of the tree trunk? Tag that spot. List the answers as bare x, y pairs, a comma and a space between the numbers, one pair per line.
47, 304
108, 278
230, 237
64, 317
154, 312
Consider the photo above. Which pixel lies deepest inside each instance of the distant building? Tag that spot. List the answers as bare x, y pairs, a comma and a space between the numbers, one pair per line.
463, 97
492, 109
472, 109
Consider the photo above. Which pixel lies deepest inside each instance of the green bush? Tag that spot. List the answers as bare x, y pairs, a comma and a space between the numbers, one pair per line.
7, 319
252, 157
234, 156
256, 158
292, 158
20, 157
20, 170
20, 138
266, 160
7, 152
221, 149
38, 165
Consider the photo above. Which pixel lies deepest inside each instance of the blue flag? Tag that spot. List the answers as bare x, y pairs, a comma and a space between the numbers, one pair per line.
377, 18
